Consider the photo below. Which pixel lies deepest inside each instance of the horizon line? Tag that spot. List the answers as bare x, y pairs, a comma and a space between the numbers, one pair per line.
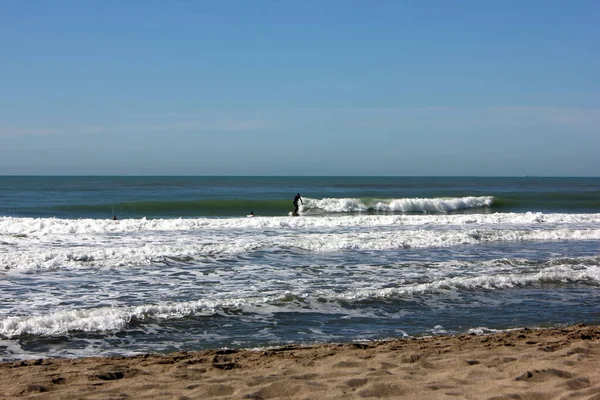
296, 176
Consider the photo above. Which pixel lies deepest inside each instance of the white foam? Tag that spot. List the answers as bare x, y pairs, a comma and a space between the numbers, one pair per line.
481, 330
117, 317
16, 229
153, 248
391, 240
424, 205
108, 318
555, 274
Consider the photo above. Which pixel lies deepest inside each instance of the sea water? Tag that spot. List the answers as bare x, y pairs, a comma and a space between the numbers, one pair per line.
184, 268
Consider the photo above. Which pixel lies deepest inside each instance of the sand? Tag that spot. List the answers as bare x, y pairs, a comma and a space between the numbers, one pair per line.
520, 364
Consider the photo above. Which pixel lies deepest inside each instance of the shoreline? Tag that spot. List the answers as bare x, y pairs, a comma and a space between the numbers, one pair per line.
517, 364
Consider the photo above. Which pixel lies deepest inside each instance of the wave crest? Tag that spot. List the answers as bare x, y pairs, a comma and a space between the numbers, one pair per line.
405, 205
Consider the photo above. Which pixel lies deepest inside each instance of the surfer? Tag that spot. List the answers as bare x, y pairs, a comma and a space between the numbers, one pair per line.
296, 199
251, 214
114, 218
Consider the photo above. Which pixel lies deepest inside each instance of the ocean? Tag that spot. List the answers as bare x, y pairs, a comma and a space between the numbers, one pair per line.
184, 268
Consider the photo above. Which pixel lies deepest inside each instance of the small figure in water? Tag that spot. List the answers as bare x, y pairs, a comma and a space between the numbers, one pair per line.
114, 218
296, 199
251, 214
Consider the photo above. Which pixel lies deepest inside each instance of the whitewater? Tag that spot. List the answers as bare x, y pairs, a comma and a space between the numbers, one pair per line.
364, 265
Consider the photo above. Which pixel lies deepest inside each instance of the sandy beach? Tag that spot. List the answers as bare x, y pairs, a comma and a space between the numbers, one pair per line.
520, 364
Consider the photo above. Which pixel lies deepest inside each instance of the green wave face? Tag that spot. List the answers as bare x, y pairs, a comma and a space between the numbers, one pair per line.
190, 197
548, 202
507, 202
199, 208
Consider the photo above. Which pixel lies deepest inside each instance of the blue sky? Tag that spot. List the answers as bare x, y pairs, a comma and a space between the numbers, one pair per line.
300, 87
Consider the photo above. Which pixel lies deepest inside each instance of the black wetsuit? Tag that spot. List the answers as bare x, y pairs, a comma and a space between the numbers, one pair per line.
296, 199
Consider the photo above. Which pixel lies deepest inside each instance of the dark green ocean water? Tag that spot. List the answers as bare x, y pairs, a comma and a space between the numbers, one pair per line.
168, 197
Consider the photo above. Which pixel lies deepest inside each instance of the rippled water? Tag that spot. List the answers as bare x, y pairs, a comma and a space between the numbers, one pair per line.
73, 287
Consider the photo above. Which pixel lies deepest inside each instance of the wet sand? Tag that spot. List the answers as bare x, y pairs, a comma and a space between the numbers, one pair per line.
520, 364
